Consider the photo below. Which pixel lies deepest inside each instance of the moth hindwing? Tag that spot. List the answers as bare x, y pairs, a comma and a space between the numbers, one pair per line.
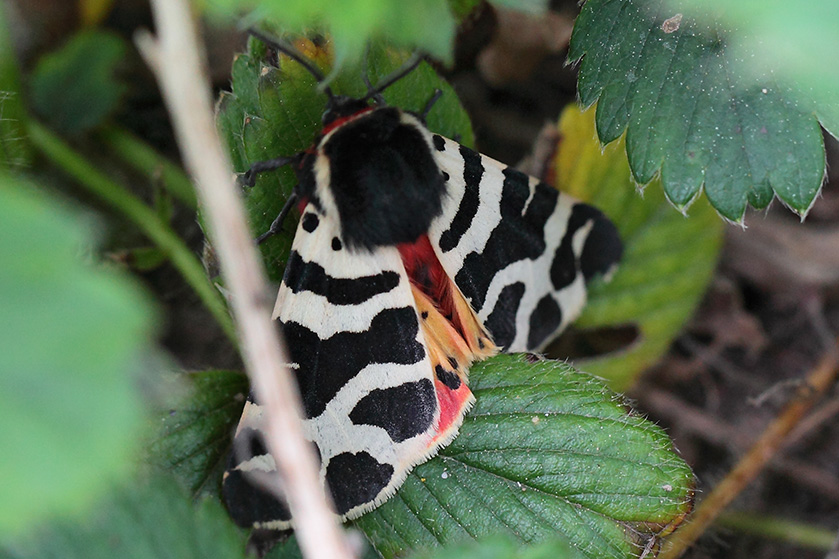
414, 257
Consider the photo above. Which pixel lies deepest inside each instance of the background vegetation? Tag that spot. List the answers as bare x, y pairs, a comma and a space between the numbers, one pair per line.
122, 383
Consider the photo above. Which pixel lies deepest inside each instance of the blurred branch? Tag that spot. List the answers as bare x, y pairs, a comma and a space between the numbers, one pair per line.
175, 58
708, 427
834, 550
142, 157
779, 529
15, 150
822, 377
146, 219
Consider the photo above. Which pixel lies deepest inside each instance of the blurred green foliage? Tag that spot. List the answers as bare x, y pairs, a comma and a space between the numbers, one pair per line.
74, 339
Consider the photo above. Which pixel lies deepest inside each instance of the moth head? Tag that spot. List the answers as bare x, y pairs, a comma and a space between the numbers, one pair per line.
371, 167
341, 107
377, 173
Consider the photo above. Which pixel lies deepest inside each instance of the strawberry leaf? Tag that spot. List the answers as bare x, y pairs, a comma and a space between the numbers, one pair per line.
547, 453
496, 547
76, 88
193, 441
671, 83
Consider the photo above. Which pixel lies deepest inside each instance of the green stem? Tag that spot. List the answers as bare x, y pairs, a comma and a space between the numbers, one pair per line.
796, 533
15, 151
141, 215
138, 154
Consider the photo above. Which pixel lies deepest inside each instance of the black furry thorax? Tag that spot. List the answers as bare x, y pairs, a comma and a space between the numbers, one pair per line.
383, 178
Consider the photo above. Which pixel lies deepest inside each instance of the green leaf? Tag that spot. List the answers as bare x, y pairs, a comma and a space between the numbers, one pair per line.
135, 152
535, 7
547, 453
145, 520
194, 438
289, 549
689, 114
72, 339
274, 112
784, 38
141, 259
496, 547
427, 25
462, 8
75, 88
668, 259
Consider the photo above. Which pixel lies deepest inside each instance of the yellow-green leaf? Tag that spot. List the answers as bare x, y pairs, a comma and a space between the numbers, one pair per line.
668, 258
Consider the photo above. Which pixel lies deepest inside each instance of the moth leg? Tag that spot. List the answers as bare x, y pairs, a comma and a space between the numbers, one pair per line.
249, 177
430, 104
277, 224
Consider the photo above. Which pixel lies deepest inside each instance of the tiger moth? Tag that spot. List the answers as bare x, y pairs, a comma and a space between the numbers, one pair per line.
414, 257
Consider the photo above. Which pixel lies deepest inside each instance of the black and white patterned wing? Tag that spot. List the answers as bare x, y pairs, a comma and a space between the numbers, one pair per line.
519, 250
352, 329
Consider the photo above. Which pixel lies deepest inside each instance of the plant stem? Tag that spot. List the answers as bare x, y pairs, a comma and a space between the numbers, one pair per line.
135, 210
15, 151
175, 58
780, 529
138, 154
822, 377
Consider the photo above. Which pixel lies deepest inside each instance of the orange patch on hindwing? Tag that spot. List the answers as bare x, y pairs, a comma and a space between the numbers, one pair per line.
454, 337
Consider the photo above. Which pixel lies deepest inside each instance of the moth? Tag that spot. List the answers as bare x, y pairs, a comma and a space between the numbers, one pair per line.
414, 257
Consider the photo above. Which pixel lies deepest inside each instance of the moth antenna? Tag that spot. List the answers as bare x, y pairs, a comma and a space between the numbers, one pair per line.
371, 91
406, 69
277, 224
295, 55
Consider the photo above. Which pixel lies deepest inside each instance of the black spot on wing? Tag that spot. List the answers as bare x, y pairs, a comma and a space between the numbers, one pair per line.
325, 365
384, 179
439, 142
336, 243
473, 171
501, 322
255, 444
449, 378
310, 222
602, 247
247, 502
404, 411
310, 276
519, 235
355, 479
544, 322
